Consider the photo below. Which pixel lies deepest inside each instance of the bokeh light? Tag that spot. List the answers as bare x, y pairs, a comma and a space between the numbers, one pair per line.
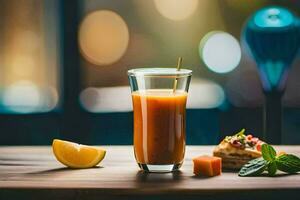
103, 37
23, 65
205, 94
220, 52
89, 98
22, 96
26, 97
176, 10
28, 40
202, 94
50, 99
106, 99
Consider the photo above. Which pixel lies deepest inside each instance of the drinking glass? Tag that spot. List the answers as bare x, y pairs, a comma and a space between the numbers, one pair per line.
159, 98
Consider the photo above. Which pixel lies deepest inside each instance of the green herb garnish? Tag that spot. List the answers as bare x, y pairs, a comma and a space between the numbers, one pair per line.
242, 141
240, 135
269, 161
254, 167
268, 152
288, 163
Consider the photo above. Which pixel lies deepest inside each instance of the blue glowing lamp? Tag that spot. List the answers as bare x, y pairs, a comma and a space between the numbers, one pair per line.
272, 36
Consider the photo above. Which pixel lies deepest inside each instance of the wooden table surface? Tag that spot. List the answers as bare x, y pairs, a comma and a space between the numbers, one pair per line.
27, 172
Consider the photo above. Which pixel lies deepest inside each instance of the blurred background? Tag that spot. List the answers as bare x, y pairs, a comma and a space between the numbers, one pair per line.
63, 68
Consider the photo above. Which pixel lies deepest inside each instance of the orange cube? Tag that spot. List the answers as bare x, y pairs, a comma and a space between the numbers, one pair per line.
207, 166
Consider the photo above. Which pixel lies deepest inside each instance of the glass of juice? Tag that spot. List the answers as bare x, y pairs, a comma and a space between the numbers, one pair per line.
159, 98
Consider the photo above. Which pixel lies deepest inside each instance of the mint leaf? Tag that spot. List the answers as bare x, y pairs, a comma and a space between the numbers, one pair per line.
288, 163
272, 168
268, 152
254, 167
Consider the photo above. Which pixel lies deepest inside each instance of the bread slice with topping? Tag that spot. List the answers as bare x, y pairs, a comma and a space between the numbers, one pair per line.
237, 150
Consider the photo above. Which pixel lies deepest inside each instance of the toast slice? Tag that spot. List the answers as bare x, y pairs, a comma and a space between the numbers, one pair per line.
237, 150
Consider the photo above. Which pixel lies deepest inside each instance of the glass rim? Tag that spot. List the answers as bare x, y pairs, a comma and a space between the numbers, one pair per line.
155, 71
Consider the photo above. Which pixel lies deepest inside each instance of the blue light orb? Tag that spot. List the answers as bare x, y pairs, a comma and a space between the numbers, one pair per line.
272, 37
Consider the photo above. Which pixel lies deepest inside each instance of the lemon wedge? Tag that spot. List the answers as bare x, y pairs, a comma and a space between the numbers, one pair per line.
75, 155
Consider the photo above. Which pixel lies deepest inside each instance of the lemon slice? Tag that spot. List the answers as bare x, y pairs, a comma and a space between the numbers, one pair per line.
75, 155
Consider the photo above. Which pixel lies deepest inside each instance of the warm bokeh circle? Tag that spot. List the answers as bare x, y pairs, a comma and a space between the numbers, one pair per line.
103, 37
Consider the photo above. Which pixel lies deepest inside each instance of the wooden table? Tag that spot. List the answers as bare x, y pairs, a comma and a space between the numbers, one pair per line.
33, 173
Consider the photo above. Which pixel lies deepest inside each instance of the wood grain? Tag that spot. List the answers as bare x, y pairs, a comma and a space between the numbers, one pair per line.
28, 171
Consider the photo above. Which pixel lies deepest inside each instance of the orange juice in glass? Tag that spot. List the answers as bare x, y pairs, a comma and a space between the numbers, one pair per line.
159, 108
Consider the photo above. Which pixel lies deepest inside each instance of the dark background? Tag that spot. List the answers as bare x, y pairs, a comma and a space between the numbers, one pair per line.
58, 64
